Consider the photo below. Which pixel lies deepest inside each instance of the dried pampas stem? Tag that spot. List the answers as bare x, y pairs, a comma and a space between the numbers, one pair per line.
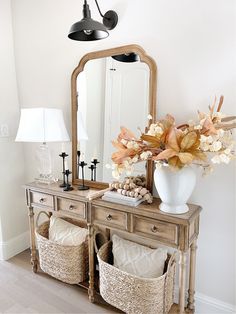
220, 103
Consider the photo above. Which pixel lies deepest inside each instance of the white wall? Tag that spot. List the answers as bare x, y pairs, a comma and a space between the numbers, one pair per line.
13, 214
193, 43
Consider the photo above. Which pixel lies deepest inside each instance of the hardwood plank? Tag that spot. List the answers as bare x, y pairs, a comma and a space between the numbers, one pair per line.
25, 292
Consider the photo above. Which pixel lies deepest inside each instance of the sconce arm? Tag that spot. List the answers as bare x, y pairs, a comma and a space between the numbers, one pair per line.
99, 9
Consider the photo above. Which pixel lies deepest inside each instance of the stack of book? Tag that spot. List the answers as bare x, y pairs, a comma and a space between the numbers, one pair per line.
116, 197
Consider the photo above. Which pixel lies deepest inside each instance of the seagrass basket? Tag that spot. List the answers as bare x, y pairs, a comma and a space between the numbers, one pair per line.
67, 263
133, 294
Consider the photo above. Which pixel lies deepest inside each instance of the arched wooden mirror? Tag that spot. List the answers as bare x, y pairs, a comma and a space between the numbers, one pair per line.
109, 89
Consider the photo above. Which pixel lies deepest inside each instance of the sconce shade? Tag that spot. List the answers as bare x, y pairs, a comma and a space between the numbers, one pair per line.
88, 29
127, 57
42, 125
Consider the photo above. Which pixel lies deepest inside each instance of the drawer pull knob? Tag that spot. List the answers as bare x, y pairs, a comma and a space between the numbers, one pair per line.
42, 200
109, 217
154, 229
71, 207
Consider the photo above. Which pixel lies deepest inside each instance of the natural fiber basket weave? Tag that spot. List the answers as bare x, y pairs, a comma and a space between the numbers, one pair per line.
66, 263
133, 294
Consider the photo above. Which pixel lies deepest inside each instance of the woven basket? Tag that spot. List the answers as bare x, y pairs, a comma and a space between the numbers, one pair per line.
66, 263
133, 294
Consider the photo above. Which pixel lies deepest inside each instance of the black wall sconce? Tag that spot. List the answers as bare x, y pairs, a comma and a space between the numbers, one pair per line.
88, 29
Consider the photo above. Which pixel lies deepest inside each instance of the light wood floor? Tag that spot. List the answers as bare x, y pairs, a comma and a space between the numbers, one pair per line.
22, 291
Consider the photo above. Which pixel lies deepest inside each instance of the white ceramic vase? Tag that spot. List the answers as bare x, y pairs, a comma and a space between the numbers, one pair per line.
174, 188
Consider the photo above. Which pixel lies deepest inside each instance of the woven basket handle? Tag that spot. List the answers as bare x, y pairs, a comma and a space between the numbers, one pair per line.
171, 261
39, 214
169, 275
99, 238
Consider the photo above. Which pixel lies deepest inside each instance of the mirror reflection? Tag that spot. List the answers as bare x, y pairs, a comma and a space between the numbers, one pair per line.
111, 92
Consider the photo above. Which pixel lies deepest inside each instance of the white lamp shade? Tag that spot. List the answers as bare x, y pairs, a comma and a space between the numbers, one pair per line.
42, 125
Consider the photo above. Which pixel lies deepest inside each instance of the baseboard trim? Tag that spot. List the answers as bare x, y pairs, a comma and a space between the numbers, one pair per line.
14, 246
204, 301
208, 305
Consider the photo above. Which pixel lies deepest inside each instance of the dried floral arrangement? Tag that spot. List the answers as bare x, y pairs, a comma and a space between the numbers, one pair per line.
134, 187
205, 142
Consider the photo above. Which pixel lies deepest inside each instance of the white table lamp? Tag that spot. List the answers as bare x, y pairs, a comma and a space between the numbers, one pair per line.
42, 125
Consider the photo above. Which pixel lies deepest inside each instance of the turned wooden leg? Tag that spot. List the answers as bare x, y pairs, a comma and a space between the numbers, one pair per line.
91, 291
192, 270
34, 259
182, 281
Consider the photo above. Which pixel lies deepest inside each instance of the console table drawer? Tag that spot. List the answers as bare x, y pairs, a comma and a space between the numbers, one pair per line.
110, 217
156, 229
76, 207
41, 199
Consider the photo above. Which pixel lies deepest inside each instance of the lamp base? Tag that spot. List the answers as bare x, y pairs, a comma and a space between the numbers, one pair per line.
44, 162
45, 179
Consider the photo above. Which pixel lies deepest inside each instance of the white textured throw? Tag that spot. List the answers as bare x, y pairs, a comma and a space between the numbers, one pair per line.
137, 259
65, 233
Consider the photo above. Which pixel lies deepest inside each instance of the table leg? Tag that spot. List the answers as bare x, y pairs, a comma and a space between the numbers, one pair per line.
192, 270
91, 291
34, 259
182, 281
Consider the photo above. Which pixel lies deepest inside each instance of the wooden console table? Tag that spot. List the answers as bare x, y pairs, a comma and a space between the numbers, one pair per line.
145, 221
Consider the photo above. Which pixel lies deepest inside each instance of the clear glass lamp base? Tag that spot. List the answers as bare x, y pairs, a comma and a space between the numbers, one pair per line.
44, 162
45, 179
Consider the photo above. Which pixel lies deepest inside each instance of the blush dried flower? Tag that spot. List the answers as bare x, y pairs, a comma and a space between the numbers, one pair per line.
178, 146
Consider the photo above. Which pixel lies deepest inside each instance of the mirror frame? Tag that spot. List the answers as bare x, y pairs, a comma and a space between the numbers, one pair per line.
74, 105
